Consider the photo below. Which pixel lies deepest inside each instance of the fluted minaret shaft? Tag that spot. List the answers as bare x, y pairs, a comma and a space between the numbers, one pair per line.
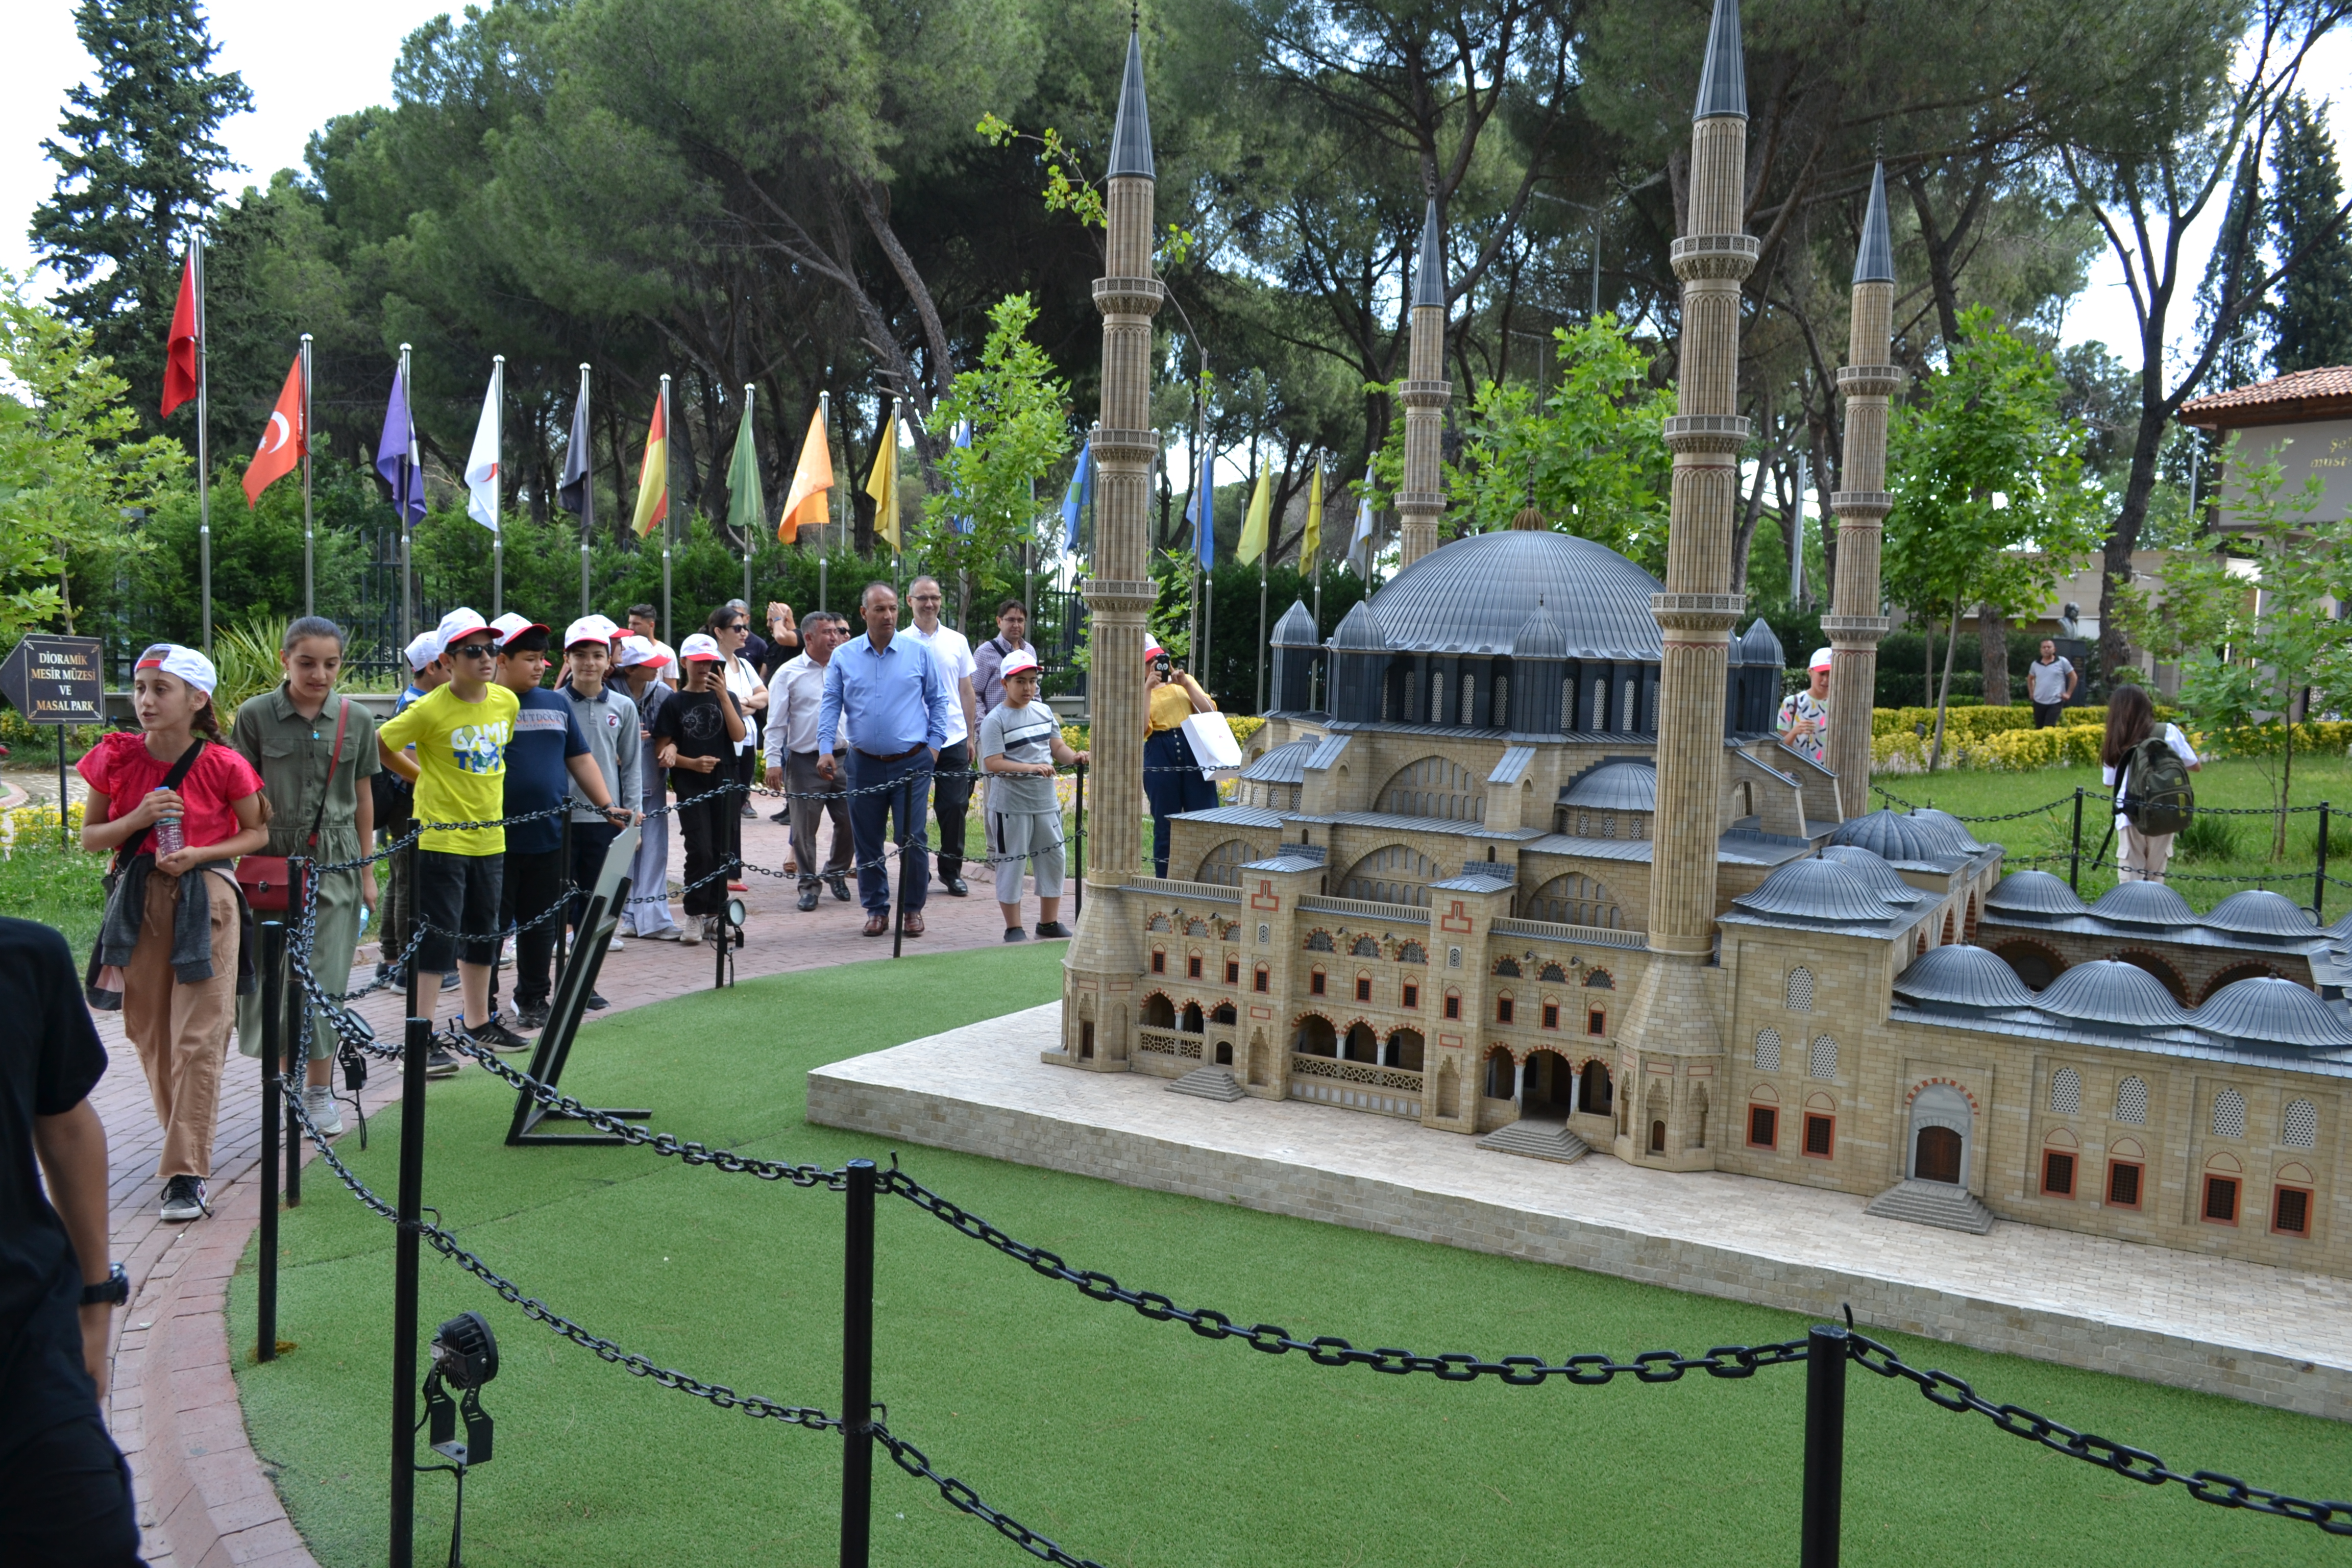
1855, 625
1698, 608
1421, 500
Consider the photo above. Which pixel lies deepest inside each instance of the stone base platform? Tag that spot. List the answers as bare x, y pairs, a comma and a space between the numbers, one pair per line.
2243, 1330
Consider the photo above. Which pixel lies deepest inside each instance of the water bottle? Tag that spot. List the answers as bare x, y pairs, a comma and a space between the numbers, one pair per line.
169, 837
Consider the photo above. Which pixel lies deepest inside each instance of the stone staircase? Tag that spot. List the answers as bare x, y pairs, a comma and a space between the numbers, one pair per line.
1939, 1204
1537, 1140
1209, 1083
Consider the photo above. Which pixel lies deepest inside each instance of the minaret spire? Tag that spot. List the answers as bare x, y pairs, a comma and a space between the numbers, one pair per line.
1421, 500
1104, 959
1869, 383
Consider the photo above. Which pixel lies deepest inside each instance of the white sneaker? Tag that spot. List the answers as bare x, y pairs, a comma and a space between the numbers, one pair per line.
506, 953
326, 1115
616, 945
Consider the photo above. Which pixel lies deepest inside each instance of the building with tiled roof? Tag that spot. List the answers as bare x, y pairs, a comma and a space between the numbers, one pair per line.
2304, 418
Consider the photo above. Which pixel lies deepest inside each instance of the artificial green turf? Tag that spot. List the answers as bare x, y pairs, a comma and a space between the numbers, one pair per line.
1128, 1441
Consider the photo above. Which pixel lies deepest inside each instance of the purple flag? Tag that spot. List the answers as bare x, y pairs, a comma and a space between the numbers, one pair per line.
394, 459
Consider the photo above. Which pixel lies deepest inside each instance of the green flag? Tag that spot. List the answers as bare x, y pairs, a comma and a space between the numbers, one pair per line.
747, 508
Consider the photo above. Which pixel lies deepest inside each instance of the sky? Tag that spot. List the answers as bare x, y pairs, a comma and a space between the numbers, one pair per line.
277, 46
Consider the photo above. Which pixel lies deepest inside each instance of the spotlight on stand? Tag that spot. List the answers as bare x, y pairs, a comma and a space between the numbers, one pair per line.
725, 938
465, 1356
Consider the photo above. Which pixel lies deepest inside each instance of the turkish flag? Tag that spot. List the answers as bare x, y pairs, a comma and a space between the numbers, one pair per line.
180, 355
283, 443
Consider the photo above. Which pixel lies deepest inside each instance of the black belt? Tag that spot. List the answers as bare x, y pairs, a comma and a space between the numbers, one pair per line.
895, 757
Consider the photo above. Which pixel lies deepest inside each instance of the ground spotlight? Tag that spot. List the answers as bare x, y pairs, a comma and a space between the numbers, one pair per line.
465, 1356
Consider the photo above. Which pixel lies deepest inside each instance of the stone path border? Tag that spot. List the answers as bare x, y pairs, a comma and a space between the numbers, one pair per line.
2252, 1332
205, 1499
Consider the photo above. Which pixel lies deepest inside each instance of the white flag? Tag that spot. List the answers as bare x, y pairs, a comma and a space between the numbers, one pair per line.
482, 463
1359, 548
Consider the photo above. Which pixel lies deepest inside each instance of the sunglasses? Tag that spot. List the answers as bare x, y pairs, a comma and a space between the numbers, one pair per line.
479, 650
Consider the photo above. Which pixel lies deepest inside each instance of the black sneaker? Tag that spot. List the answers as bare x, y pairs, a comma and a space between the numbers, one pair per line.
808, 896
532, 1018
595, 1004
781, 818
183, 1199
956, 886
839, 883
1053, 930
498, 1037
1014, 933
440, 1063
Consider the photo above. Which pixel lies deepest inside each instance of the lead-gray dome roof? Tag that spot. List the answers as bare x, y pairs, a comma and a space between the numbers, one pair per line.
2034, 893
2269, 1013
1946, 829
1761, 645
1540, 635
1359, 630
1960, 978
1874, 871
1892, 835
2149, 904
1615, 784
1474, 595
2110, 995
1814, 889
2261, 913
1296, 628
1286, 764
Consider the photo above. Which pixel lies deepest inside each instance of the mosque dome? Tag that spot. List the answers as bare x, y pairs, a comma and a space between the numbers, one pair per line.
2267, 1014
2261, 914
1617, 783
1892, 835
1874, 871
2150, 904
2034, 895
1948, 829
1963, 980
1476, 595
2111, 996
1296, 629
1761, 645
1816, 890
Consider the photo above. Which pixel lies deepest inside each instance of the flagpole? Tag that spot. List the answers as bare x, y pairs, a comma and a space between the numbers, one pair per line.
309, 604
588, 494
666, 636
499, 448
749, 534
203, 451
400, 504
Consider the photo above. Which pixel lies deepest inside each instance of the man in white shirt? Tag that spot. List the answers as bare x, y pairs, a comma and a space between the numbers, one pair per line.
951, 794
642, 624
794, 692
2050, 685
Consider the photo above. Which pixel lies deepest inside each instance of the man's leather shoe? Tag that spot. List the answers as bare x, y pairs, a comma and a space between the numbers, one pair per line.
911, 923
808, 896
840, 886
956, 886
877, 925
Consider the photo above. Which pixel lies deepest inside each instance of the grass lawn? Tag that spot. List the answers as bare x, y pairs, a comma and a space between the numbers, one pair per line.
63, 888
1128, 1441
2234, 850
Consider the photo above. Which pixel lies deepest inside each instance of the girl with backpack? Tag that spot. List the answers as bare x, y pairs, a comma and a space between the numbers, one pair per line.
2139, 762
177, 807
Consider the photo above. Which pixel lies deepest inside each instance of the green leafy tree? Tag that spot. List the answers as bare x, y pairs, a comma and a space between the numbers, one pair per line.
2253, 624
2310, 324
1990, 506
69, 466
985, 507
136, 154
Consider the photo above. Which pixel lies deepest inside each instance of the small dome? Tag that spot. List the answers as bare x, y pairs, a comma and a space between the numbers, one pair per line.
2034, 894
1540, 635
1892, 835
1359, 630
1473, 594
2108, 994
1874, 871
1948, 829
1814, 889
1296, 628
2269, 1013
1286, 764
2149, 904
1759, 645
1617, 783
2259, 912
1962, 979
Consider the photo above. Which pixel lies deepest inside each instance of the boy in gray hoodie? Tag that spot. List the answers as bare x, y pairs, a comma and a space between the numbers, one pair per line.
608, 717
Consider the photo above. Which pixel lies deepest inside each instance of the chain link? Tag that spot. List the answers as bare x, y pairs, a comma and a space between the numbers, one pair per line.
961, 1498
2132, 1463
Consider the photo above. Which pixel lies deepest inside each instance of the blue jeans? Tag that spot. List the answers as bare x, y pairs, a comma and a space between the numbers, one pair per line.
1173, 784
871, 800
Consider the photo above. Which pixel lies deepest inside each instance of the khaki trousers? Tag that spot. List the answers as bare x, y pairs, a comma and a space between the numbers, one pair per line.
2140, 857
182, 1031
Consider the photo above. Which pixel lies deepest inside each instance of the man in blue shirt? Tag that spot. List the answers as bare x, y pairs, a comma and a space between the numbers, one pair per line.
891, 694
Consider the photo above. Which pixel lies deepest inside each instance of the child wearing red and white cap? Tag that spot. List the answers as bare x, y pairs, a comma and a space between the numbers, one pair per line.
176, 806
698, 730
1020, 744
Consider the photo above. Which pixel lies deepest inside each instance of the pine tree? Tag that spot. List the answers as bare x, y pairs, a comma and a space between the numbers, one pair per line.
136, 154
2312, 322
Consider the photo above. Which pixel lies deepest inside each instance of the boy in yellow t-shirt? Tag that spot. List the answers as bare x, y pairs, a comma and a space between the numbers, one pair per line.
460, 731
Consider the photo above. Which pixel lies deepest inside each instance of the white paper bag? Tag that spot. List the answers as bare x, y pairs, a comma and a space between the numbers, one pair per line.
1213, 744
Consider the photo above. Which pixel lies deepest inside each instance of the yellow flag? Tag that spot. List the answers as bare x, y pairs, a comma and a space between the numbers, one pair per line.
1253, 525
652, 476
806, 505
882, 484
1312, 543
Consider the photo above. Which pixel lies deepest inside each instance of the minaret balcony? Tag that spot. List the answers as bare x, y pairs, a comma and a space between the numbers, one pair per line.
1715, 255
1862, 506
1128, 296
1425, 393
1856, 631
1139, 447
1720, 433
1870, 380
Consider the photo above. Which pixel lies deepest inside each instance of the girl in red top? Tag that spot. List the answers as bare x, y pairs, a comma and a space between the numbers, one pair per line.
178, 984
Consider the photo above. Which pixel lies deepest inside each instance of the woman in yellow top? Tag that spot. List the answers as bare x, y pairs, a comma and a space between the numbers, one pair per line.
1171, 778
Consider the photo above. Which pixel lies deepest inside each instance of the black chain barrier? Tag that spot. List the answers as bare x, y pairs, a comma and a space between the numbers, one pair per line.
2132, 1463
2003, 816
961, 1498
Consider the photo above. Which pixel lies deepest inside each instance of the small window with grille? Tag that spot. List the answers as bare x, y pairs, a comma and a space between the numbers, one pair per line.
2220, 1200
1232, 972
1503, 1007
1763, 1127
2065, 1092
2302, 1125
1192, 967
2291, 1211
2228, 1114
1261, 980
1801, 990
1363, 987
1822, 1061
1596, 1021
1411, 995
2123, 1184
2057, 1173
1821, 1136
1315, 982
1453, 1003
2131, 1101
1159, 961
1551, 1015
1768, 1050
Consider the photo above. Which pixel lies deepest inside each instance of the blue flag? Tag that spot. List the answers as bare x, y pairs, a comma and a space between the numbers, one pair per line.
394, 459
1200, 512
1075, 499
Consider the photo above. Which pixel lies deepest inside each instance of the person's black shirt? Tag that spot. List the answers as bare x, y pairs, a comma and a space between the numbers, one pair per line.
696, 724
49, 1059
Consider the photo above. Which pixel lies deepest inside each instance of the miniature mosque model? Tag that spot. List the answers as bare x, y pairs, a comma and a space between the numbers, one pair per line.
1518, 857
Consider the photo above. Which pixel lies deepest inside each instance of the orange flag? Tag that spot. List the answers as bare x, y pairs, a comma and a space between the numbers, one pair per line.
652, 476
805, 507
285, 440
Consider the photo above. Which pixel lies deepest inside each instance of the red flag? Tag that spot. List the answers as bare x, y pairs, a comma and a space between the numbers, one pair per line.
180, 357
284, 441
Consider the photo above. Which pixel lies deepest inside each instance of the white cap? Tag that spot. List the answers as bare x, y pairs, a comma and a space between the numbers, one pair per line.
185, 662
510, 625
1019, 661
1820, 659
701, 646
460, 622
633, 651
588, 629
423, 649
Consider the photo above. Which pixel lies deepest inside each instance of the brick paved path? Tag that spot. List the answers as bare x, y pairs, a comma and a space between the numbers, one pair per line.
203, 1498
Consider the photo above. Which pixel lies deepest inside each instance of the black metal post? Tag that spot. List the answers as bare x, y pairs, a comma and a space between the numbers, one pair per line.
572, 901
273, 1025
294, 1041
2319, 876
410, 1207
65, 838
2074, 864
415, 920
898, 887
1825, 1359
857, 1368
1079, 836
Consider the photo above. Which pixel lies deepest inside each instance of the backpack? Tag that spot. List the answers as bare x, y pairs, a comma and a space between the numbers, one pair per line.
2158, 797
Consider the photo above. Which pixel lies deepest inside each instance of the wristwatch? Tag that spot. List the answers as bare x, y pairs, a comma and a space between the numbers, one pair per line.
113, 1291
